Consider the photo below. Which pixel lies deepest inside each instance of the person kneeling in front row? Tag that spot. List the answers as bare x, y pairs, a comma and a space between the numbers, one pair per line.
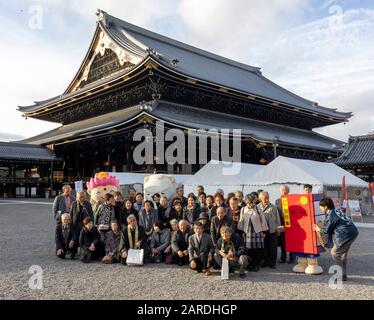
231, 246
133, 237
89, 242
200, 250
159, 241
66, 238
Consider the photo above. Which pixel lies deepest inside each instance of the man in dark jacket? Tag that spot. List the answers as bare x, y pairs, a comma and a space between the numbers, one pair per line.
164, 212
62, 203
89, 242
80, 209
179, 243
231, 247
66, 238
218, 221
200, 250
133, 237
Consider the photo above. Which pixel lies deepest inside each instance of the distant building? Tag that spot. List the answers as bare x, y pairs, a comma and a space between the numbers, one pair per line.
25, 169
358, 157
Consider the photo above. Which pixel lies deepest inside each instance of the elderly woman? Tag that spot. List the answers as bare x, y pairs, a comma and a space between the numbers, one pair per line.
253, 224
112, 244
174, 227
191, 211
271, 214
159, 241
66, 238
218, 221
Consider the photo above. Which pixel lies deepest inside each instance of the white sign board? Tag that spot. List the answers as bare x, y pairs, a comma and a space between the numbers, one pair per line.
78, 186
354, 207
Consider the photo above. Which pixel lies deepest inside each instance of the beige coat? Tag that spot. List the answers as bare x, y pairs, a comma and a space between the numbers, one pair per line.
257, 218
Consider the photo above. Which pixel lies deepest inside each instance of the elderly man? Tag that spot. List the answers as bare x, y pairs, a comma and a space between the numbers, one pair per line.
133, 237
80, 209
231, 246
66, 238
179, 243
218, 221
284, 189
180, 196
62, 203
271, 214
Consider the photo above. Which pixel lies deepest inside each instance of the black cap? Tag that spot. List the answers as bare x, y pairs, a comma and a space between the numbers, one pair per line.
203, 215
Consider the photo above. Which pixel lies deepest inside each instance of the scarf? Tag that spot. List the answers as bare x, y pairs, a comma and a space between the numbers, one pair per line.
227, 246
132, 246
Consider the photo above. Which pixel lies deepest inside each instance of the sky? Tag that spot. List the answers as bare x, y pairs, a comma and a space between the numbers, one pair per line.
322, 50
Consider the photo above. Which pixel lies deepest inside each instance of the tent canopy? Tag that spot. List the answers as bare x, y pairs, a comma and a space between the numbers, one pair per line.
218, 174
297, 171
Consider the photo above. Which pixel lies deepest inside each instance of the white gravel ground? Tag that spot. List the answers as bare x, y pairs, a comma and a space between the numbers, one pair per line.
27, 238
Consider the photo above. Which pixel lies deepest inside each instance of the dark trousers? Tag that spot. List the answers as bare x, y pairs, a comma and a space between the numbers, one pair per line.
282, 245
87, 255
256, 256
67, 250
202, 262
241, 263
270, 249
180, 261
340, 254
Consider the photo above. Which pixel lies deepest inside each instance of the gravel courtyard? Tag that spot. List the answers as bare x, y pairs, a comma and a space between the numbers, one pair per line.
27, 238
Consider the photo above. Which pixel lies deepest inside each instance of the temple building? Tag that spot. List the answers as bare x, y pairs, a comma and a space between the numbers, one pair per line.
131, 77
358, 157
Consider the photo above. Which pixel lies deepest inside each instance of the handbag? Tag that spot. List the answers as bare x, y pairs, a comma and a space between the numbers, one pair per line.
135, 257
225, 269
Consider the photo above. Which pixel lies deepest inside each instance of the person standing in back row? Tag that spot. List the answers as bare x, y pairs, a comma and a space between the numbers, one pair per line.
62, 203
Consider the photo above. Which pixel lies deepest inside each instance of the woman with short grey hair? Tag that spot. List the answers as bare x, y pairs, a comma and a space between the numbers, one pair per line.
253, 224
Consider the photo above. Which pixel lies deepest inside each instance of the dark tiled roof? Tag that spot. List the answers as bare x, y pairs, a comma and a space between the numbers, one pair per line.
359, 151
21, 151
199, 64
189, 117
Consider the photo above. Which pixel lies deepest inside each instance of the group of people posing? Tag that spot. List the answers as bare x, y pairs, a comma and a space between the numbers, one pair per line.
199, 230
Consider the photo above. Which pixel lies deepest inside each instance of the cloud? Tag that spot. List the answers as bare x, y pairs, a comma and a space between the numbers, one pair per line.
330, 63
322, 60
233, 30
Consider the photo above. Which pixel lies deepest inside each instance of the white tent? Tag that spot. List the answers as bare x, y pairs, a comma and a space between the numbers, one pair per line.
229, 176
296, 172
